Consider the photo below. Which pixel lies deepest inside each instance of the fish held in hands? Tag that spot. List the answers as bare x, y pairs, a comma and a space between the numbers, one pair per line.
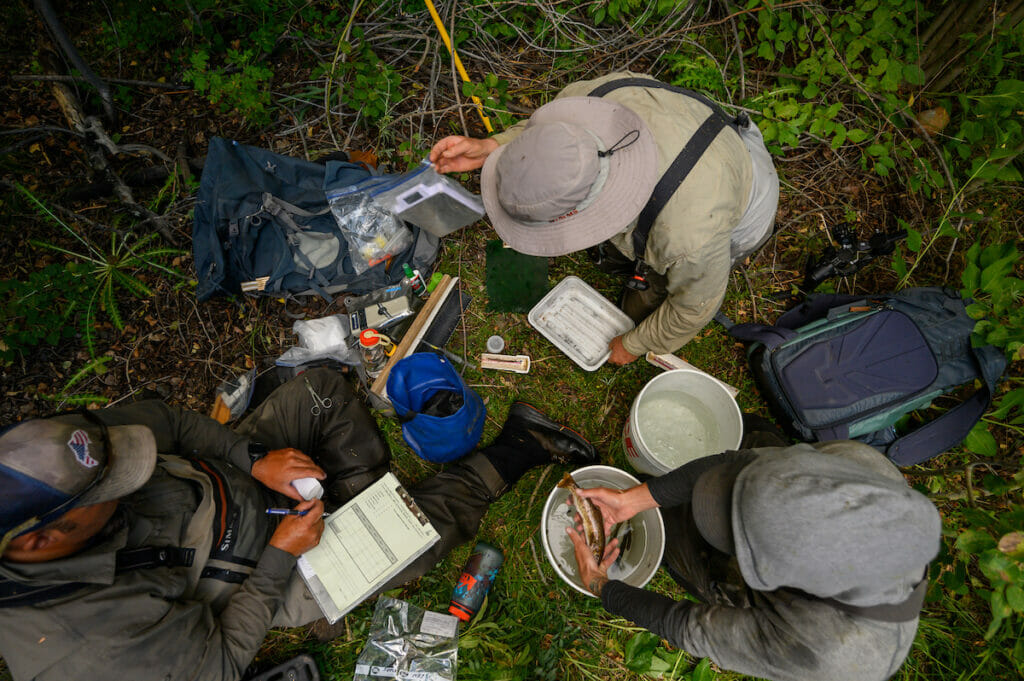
590, 515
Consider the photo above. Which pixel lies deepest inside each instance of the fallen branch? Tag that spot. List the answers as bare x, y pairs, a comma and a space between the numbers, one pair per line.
96, 140
53, 78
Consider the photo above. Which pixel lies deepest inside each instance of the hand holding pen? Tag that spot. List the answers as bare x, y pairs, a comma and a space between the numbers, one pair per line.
292, 511
300, 528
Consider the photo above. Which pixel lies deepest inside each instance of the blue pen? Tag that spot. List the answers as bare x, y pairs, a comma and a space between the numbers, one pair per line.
290, 511
285, 511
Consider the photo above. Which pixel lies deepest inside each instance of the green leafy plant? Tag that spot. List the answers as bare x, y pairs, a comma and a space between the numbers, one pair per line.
108, 273
368, 85
40, 309
241, 83
645, 655
97, 366
857, 74
493, 94
989, 557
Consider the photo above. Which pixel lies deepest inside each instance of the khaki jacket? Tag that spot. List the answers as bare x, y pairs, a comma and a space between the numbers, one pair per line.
689, 243
206, 621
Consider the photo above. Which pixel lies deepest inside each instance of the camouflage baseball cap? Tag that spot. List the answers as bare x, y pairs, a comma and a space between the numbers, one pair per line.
50, 466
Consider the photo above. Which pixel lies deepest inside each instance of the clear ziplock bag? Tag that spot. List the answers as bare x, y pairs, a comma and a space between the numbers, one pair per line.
408, 643
372, 232
432, 201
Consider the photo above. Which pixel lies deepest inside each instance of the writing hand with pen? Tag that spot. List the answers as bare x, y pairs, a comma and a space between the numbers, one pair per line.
300, 528
300, 531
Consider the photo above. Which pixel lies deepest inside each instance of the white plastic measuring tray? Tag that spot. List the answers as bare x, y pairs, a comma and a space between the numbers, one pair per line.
579, 321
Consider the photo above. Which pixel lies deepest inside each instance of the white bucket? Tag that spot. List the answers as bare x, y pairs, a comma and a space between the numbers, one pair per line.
679, 416
640, 555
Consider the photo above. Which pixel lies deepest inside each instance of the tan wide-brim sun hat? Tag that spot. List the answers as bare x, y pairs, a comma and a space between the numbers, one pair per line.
551, 166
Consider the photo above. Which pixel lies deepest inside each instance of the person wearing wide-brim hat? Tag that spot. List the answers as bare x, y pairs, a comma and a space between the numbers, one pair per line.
580, 172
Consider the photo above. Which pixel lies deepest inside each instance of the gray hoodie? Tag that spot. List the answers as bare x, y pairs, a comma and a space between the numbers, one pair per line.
835, 520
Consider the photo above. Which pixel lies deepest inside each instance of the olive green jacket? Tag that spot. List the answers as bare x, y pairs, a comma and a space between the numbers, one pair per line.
205, 621
690, 241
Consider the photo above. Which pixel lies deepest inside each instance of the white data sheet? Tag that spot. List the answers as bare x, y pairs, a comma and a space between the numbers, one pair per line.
365, 543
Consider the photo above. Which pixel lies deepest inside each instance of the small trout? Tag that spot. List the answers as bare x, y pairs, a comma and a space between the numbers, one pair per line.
593, 522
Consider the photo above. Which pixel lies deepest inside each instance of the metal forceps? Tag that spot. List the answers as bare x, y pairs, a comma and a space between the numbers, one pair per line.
319, 403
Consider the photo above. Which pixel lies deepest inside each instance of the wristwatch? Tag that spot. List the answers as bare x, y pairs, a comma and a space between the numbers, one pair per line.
257, 450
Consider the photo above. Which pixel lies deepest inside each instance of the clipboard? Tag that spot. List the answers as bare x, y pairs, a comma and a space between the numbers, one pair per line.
365, 544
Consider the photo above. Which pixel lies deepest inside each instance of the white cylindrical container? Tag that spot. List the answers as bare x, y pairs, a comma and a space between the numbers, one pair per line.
641, 538
679, 416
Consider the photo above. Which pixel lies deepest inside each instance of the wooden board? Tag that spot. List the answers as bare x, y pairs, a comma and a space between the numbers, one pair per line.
415, 332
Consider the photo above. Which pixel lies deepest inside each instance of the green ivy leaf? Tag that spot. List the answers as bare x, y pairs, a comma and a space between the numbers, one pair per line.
877, 150
980, 441
913, 240
856, 135
702, 672
974, 542
639, 651
899, 265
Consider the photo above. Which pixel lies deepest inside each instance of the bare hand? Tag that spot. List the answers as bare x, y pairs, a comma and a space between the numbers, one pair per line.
620, 355
299, 533
614, 505
456, 153
593, 575
279, 467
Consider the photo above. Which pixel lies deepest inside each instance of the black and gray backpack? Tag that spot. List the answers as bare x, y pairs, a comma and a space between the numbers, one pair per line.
848, 367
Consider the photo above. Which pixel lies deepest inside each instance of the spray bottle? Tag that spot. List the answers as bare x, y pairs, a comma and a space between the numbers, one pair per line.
419, 287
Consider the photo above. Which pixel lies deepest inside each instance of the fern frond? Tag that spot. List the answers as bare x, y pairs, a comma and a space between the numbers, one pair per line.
133, 285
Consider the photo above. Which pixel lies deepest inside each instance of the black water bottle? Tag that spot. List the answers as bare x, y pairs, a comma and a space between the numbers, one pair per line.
475, 581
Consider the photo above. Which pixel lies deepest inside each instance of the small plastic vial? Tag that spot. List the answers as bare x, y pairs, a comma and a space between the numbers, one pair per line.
475, 581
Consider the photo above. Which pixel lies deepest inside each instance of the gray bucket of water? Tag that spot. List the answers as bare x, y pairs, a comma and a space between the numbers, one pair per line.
641, 552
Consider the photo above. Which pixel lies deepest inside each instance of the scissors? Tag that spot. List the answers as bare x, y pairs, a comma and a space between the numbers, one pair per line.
319, 403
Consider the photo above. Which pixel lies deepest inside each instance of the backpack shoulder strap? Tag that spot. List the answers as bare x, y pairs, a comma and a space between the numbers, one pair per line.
948, 430
908, 609
683, 163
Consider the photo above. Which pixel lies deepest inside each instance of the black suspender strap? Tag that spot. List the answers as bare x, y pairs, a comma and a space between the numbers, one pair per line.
147, 557
605, 88
673, 177
680, 167
14, 594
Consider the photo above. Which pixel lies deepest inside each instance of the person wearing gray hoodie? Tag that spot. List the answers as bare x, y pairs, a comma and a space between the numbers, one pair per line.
808, 562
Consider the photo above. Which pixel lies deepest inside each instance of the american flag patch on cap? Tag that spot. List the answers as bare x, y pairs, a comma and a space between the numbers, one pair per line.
79, 444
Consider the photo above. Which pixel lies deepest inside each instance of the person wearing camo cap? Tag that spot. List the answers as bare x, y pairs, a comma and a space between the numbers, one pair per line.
807, 562
136, 542
599, 167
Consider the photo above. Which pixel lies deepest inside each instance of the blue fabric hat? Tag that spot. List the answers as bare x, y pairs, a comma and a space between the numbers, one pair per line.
411, 383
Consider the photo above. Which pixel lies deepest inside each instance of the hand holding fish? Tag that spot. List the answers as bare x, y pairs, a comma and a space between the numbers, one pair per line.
618, 505
594, 575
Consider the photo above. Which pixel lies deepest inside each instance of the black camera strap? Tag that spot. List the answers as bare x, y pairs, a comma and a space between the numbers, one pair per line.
677, 171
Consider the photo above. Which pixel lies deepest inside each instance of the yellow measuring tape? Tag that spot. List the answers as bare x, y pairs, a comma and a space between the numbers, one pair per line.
458, 62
